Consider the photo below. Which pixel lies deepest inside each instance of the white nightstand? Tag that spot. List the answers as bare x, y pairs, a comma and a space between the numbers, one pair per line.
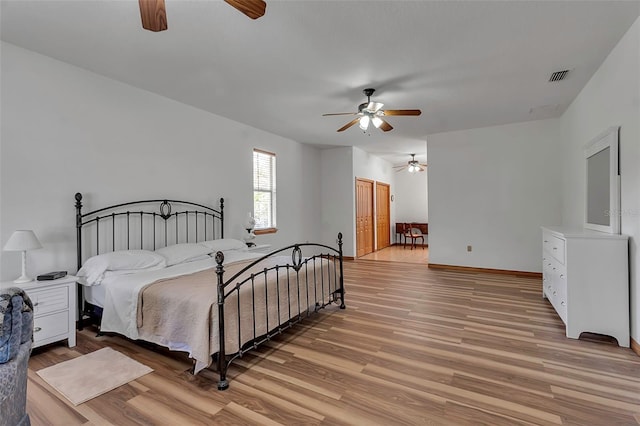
260, 248
54, 309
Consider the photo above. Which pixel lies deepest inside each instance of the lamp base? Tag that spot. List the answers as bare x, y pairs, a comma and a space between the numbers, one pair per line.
23, 279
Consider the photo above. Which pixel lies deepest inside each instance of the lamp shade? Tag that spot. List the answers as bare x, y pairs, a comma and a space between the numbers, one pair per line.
22, 240
250, 222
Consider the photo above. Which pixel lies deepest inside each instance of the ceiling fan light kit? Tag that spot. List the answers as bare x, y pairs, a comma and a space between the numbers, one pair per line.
412, 165
371, 113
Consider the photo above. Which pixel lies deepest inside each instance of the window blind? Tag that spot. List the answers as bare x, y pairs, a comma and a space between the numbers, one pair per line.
264, 189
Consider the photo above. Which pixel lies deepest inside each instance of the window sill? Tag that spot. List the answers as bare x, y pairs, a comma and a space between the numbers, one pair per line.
265, 231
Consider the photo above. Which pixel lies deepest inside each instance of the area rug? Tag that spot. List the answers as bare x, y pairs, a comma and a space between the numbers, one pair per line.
83, 378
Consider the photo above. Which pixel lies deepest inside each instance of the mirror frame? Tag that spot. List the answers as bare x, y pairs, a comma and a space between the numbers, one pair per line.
606, 139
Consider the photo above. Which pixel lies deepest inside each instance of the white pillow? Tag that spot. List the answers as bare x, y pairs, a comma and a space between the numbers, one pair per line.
130, 261
185, 252
225, 244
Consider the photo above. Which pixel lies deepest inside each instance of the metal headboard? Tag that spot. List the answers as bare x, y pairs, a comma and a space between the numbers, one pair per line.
145, 224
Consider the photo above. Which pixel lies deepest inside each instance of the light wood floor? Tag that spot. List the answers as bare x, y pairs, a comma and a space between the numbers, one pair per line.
400, 253
413, 347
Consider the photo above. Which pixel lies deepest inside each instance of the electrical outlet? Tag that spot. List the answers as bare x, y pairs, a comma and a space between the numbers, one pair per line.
469, 248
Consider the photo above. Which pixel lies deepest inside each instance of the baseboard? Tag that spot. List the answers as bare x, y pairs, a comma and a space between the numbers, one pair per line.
409, 245
635, 346
486, 270
348, 258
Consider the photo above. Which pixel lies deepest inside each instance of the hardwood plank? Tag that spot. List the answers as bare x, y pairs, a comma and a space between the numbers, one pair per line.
414, 346
45, 408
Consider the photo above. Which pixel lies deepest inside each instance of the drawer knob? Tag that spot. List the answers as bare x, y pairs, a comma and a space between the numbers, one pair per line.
36, 329
561, 275
546, 241
562, 303
36, 304
554, 293
555, 248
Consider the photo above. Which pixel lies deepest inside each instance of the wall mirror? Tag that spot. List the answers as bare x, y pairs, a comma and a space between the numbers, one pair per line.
602, 195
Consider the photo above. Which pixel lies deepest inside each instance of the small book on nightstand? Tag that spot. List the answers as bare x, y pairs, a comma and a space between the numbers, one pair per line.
52, 276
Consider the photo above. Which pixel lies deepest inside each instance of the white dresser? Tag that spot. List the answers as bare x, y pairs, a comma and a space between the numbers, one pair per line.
54, 309
585, 276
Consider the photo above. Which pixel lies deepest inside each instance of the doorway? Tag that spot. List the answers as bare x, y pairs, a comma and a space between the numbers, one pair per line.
364, 217
383, 215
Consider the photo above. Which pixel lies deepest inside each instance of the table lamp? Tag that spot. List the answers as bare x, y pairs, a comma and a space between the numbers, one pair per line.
249, 224
23, 240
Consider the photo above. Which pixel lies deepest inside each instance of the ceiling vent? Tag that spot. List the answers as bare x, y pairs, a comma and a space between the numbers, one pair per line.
559, 75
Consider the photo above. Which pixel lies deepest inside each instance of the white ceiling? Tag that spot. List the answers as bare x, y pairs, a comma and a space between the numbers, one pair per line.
465, 64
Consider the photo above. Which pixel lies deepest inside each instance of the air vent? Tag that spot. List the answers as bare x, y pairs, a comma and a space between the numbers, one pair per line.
559, 75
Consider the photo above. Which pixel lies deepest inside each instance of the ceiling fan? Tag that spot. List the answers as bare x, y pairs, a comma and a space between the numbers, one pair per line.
412, 165
154, 15
372, 112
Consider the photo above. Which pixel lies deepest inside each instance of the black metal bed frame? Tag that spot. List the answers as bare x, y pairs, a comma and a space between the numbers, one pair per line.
119, 216
330, 281
298, 261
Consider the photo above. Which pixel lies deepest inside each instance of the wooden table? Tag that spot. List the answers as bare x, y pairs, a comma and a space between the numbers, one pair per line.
401, 227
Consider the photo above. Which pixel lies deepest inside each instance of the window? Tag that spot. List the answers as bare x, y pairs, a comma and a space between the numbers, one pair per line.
264, 191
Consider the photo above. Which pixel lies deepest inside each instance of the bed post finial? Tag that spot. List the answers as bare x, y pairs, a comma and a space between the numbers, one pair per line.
223, 383
80, 298
78, 198
342, 305
221, 217
78, 209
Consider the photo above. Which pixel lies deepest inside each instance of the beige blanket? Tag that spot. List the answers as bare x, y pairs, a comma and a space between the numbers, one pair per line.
184, 310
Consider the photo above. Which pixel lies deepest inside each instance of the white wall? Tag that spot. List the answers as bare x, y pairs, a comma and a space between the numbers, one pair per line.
611, 98
410, 197
66, 130
368, 166
339, 169
337, 195
492, 188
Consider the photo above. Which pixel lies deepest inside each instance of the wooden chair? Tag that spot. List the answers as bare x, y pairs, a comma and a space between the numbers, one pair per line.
413, 232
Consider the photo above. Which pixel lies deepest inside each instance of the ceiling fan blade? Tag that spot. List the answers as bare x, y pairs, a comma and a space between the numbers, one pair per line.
402, 112
252, 8
401, 168
349, 124
385, 127
340, 113
153, 14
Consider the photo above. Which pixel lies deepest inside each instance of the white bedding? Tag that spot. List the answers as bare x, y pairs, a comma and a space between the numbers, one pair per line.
120, 295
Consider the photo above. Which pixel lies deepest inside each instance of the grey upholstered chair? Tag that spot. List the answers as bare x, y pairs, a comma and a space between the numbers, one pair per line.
16, 334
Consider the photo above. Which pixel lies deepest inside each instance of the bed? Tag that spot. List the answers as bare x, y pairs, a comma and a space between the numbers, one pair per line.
162, 271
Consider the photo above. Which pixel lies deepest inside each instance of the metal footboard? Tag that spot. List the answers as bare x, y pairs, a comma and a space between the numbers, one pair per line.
300, 287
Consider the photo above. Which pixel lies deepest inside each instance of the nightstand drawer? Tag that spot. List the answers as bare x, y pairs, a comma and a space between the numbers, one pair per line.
49, 300
47, 326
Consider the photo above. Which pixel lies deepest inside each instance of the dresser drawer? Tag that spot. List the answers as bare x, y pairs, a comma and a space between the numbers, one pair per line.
553, 246
49, 300
557, 248
561, 301
47, 326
